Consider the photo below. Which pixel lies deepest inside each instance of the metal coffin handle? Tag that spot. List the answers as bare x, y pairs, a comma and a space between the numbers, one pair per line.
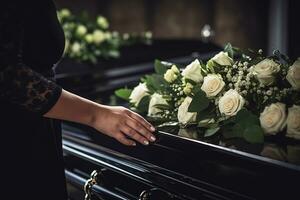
94, 179
154, 194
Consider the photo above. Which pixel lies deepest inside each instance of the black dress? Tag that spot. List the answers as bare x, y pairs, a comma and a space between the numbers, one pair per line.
31, 43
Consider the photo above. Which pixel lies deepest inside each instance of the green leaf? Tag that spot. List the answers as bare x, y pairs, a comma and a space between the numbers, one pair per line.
211, 131
199, 102
144, 104
207, 113
162, 106
228, 48
196, 89
235, 131
254, 134
246, 118
161, 66
123, 93
155, 82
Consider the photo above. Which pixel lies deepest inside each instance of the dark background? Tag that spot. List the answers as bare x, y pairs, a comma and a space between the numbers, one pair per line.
265, 24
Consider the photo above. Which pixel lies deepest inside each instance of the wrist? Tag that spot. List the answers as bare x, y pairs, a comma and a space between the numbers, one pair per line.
98, 114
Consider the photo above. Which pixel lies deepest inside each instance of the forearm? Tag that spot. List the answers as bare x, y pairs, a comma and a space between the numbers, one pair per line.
74, 108
112, 121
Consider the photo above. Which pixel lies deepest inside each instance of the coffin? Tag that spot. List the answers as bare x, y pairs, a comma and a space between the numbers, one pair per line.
179, 165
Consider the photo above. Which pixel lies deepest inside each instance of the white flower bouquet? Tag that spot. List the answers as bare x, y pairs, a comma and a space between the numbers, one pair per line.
239, 94
88, 40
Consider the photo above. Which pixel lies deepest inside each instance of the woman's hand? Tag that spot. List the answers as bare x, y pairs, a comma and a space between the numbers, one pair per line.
121, 123
117, 122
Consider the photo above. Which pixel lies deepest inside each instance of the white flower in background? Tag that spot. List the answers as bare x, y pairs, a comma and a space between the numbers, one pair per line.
138, 93
107, 35
156, 99
81, 30
64, 13
223, 59
148, 34
102, 22
212, 84
98, 36
231, 102
188, 89
126, 36
89, 38
293, 75
183, 115
265, 71
75, 48
193, 72
170, 76
293, 122
273, 118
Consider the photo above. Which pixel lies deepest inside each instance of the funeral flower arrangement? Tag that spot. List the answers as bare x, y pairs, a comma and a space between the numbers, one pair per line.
88, 40
239, 94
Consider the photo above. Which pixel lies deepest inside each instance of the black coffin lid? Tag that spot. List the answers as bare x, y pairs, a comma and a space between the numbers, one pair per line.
230, 173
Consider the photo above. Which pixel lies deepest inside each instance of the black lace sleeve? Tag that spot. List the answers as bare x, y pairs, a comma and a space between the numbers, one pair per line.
19, 84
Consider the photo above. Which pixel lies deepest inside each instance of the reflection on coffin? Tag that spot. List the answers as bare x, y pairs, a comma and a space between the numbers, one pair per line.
180, 164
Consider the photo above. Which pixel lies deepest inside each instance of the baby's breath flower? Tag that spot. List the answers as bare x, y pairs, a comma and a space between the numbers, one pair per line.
269, 92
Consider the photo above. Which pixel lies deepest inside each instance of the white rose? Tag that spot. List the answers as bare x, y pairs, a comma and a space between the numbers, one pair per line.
273, 118
102, 22
98, 36
212, 84
170, 76
183, 115
64, 13
138, 93
193, 71
223, 59
231, 102
293, 122
76, 47
155, 100
89, 38
265, 71
107, 35
81, 30
293, 75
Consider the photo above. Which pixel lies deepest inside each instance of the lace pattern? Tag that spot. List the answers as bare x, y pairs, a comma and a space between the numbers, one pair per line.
20, 84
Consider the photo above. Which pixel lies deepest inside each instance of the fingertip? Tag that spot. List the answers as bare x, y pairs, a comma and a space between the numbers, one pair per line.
152, 128
152, 138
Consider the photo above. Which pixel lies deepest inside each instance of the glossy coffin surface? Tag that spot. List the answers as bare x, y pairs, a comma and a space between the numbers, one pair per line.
176, 167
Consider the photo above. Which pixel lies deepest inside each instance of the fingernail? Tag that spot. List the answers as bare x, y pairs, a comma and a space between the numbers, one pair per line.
152, 128
146, 142
152, 138
134, 144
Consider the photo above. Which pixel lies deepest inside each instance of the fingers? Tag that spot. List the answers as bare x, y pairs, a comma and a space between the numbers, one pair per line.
135, 135
139, 129
122, 139
141, 120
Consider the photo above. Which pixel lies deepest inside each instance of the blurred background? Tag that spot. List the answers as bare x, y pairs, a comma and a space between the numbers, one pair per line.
267, 25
